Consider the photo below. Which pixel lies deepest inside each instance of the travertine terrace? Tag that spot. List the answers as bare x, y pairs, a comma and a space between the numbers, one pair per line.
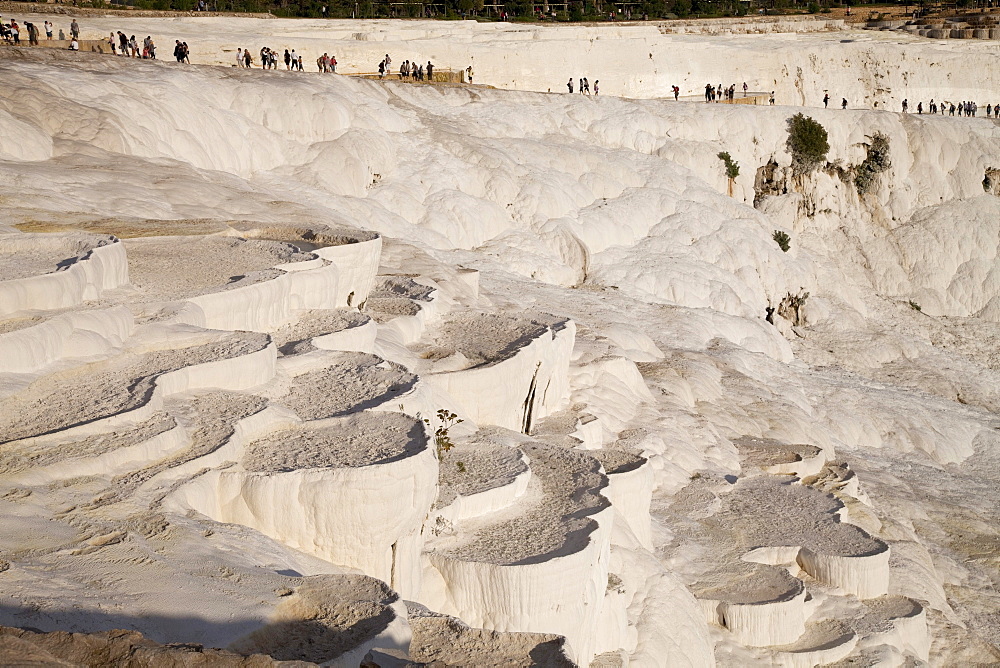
332, 370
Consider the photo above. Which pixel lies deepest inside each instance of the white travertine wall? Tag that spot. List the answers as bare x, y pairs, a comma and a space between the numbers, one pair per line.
563, 594
630, 494
482, 503
517, 391
778, 622
864, 576
357, 264
360, 338
367, 518
102, 268
406, 329
263, 306
67, 335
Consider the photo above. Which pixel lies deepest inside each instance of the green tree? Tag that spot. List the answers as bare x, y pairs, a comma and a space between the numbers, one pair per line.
807, 142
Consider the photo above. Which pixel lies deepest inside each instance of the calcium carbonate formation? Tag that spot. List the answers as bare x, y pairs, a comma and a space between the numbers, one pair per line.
345, 371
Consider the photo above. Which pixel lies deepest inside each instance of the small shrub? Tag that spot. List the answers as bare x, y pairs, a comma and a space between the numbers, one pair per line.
732, 167
460, 466
442, 439
807, 142
812, 8
782, 239
914, 305
876, 162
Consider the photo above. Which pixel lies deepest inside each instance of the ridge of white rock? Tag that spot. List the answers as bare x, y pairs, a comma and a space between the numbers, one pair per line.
81, 278
211, 436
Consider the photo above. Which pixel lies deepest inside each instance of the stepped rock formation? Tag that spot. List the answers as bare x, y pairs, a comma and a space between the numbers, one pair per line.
323, 370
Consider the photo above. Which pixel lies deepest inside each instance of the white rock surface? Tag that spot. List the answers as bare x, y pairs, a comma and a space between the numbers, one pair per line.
819, 489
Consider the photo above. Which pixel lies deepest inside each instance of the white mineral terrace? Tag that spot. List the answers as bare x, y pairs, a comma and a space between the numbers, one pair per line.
359, 372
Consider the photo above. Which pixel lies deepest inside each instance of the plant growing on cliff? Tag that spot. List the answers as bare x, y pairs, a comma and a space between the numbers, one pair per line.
732, 167
876, 162
442, 438
782, 239
807, 142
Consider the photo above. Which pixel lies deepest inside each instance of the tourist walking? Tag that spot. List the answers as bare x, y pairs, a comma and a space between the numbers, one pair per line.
826, 100
430, 71
48, 30
74, 29
288, 60
569, 85
843, 103
597, 90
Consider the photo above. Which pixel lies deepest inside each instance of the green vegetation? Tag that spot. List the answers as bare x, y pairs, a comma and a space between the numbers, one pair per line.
914, 305
572, 10
807, 142
732, 167
442, 439
874, 164
782, 239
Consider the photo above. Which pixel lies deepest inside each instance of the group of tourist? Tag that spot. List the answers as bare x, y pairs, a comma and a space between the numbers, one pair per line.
11, 33
181, 52
966, 108
123, 45
826, 101
718, 93
584, 86
411, 71
269, 59
327, 63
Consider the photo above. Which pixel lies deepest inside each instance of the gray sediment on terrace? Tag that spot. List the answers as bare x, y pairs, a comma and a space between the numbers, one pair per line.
94, 391
361, 439
171, 268
355, 381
